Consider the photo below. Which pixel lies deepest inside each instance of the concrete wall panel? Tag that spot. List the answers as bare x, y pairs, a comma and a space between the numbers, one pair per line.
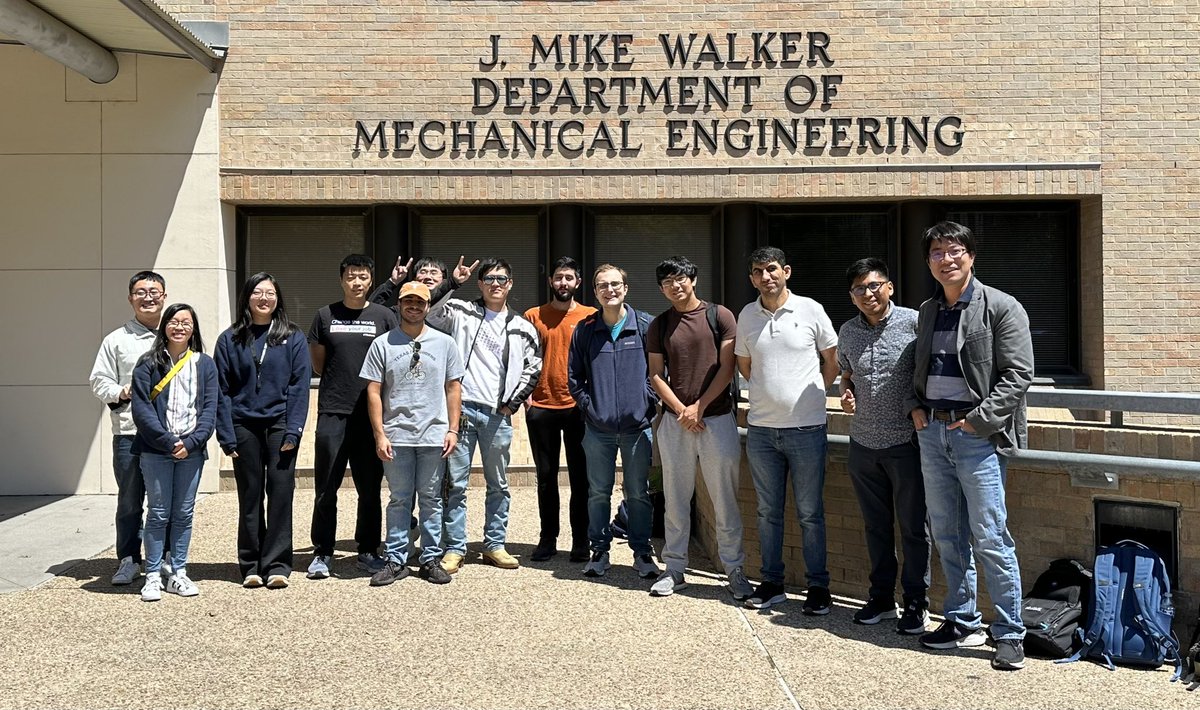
49, 228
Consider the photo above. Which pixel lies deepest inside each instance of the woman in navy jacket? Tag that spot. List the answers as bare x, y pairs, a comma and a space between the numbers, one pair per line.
263, 371
174, 422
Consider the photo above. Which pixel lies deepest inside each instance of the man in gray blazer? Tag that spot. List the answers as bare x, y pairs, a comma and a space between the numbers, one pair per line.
974, 363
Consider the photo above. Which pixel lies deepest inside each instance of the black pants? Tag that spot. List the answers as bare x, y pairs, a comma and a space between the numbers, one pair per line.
263, 471
549, 429
343, 438
889, 486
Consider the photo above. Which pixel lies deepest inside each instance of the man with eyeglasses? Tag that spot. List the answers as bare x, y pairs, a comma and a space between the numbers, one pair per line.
427, 270
338, 340
785, 349
553, 420
111, 379
974, 363
608, 376
501, 353
413, 376
691, 366
875, 353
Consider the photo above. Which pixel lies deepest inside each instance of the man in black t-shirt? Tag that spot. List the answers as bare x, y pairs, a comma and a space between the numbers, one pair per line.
338, 341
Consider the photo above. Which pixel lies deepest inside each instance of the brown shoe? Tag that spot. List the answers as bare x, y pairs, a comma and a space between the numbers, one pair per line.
452, 562
500, 558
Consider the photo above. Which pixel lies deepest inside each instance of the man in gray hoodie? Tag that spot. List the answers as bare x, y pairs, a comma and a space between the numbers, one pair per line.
112, 375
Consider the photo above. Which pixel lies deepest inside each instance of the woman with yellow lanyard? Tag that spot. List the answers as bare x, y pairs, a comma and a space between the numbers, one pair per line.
174, 398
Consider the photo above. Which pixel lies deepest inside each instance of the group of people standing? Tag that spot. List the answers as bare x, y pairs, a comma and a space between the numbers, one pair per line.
410, 393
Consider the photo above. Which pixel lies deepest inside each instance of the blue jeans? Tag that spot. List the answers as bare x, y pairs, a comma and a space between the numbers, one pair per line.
964, 492
493, 432
601, 450
775, 455
414, 468
131, 492
171, 486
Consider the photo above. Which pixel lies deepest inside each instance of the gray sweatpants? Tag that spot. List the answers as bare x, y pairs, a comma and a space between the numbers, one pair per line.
718, 453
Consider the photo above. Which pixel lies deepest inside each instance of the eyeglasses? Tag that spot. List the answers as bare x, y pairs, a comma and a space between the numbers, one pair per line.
416, 355
674, 281
938, 254
180, 325
610, 285
147, 293
264, 295
498, 279
873, 287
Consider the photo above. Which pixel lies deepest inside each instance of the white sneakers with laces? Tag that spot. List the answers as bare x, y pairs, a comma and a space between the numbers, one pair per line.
179, 583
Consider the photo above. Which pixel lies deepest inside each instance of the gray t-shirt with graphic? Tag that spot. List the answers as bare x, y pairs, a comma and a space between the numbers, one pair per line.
413, 376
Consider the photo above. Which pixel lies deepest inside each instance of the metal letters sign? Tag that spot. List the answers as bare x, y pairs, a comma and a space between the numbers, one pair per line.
706, 86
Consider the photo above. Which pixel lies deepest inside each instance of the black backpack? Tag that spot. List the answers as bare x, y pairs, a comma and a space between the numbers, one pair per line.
1191, 659
1055, 607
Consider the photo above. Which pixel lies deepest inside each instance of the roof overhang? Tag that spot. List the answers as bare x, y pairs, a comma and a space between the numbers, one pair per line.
138, 26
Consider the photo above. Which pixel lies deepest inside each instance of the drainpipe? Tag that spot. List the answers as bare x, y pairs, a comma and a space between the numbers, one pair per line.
45, 33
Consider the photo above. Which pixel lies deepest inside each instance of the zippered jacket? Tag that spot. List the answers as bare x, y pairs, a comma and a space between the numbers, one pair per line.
610, 381
521, 362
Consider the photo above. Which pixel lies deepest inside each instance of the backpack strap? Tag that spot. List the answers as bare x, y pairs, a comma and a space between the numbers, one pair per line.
1147, 573
1103, 609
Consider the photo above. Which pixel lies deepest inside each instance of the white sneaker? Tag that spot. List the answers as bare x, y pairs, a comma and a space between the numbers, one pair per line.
179, 583
127, 571
597, 566
645, 566
667, 584
152, 589
277, 581
252, 581
739, 586
319, 567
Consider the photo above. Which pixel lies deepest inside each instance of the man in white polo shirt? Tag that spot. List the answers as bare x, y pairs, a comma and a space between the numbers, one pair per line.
786, 349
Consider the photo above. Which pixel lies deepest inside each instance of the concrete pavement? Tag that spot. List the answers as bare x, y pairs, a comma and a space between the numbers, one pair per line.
541, 636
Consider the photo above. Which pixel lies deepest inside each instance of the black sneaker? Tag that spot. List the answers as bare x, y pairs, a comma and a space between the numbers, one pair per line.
546, 548
952, 635
391, 572
914, 618
432, 571
875, 611
1010, 655
766, 595
817, 601
580, 551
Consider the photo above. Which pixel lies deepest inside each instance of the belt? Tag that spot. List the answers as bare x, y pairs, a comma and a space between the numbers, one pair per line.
947, 415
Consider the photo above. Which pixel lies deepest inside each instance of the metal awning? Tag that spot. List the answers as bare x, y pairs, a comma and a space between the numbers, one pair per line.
138, 26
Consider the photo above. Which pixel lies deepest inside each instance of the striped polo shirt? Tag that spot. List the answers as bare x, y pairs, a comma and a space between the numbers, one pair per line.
946, 388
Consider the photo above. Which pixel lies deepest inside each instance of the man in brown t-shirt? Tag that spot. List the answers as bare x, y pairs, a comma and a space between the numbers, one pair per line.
691, 374
552, 418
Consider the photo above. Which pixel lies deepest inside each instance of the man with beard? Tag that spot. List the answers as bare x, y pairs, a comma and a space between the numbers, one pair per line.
551, 417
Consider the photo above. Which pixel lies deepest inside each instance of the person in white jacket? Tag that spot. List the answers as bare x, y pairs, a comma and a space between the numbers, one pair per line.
111, 378
501, 352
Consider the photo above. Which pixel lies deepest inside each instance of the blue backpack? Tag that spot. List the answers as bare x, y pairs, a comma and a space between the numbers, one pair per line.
1129, 621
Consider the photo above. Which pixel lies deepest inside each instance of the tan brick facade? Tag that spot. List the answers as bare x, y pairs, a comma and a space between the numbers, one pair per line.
1069, 99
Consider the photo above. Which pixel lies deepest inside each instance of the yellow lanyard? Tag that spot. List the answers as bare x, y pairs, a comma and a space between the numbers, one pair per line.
162, 384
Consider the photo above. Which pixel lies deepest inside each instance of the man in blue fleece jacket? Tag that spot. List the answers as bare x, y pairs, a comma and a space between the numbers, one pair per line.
608, 377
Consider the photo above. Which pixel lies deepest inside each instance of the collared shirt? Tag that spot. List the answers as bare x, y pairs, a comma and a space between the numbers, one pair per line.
946, 388
880, 359
786, 386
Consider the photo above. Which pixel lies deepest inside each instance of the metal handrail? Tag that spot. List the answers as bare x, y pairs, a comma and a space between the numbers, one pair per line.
1115, 403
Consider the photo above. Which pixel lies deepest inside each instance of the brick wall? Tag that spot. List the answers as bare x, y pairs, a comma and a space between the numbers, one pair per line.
1056, 89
